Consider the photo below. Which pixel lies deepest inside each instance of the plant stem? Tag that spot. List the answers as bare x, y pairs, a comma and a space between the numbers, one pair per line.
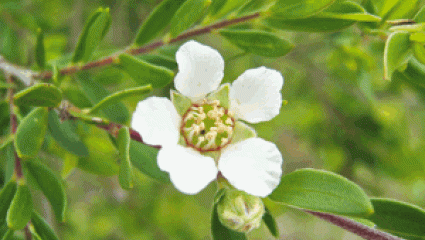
134, 51
354, 227
13, 124
27, 232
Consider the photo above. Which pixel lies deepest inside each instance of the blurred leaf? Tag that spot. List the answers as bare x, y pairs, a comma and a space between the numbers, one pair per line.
322, 191
118, 96
420, 15
75, 95
399, 218
42, 227
396, 52
144, 158
42, 95
254, 6
258, 42
290, 9
188, 13
116, 112
6, 196
220, 232
40, 57
180, 102
19, 213
270, 223
10, 163
65, 135
157, 21
3, 230
30, 133
338, 16
126, 172
419, 52
34, 233
145, 73
417, 37
51, 186
160, 60
94, 30
364, 222
415, 73
10, 45
216, 6
70, 162
4, 85
9, 235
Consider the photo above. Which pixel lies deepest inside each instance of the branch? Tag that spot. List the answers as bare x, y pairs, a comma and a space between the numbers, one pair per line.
13, 124
354, 227
134, 51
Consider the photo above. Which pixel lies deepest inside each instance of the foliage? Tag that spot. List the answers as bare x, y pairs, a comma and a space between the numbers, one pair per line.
354, 84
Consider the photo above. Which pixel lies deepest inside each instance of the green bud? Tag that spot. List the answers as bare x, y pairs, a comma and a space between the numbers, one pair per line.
240, 211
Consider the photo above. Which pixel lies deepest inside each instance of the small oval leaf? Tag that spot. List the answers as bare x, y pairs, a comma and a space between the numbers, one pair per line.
51, 186
6, 196
396, 52
144, 158
42, 227
65, 136
39, 50
94, 31
118, 96
157, 21
399, 218
258, 42
220, 232
19, 213
42, 95
291, 9
270, 223
188, 13
116, 112
30, 133
322, 191
145, 73
126, 173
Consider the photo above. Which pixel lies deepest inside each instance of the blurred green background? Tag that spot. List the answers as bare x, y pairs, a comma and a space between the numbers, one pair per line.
341, 116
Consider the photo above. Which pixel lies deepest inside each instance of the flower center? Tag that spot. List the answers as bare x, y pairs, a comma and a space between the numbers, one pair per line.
207, 126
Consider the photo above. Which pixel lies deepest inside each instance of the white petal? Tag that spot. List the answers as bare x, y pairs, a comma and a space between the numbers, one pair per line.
255, 96
201, 69
253, 166
190, 172
157, 121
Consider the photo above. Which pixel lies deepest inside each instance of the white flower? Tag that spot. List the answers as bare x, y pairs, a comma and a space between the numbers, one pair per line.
200, 133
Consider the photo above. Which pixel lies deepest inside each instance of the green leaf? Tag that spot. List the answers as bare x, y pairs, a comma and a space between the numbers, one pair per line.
144, 158
118, 96
322, 191
126, 172
10, 162
419, 52
39, 50
399, 218
290, 9
34, 233
42, 95
216, 6
145, 73
270, 223
254, 6
94, 30
338, 16
242, 132
396, 52
221, 94
3, 230
6, 196
188, 13
19, 213
258, 42
157, 21
4, 85
65, 135
180, 102
417, 37
42, 227
116, 112
220, 232
30, 133
414, 73
9, 235
160, 60
420, 15
51, 186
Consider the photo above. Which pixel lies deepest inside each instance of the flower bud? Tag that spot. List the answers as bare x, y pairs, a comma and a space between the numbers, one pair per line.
240, 211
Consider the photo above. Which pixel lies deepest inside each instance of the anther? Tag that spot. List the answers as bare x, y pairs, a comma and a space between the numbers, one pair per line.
229, 121
230, 113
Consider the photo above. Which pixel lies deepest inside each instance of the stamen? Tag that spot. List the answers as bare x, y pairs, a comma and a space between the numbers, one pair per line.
224, 141
230, 113
200, 140
229, 121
